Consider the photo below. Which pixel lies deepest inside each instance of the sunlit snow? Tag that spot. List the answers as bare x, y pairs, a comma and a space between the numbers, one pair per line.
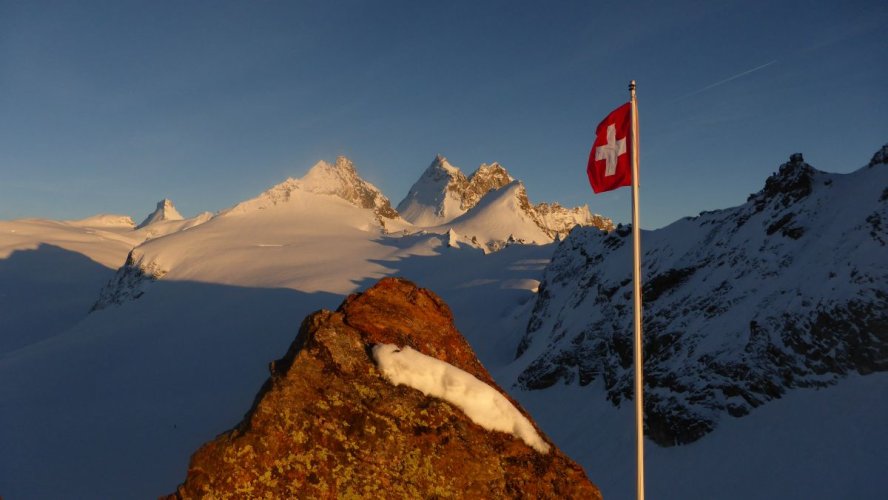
433, 377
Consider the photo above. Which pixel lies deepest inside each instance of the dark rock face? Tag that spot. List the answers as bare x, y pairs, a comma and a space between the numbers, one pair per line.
129, 282
880, 157
740, 305
328, 425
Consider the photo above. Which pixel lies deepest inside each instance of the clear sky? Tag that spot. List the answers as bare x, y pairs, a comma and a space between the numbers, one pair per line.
111, 106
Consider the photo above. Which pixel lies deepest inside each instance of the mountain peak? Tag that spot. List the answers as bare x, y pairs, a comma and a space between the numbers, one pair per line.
793, 181
342, 179
338, 179
443, 192
440, 162
483, 180
165, 211
437, 196
881, 157
324, 175
440, 165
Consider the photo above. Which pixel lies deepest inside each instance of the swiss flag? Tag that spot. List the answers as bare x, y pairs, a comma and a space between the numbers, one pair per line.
609, 166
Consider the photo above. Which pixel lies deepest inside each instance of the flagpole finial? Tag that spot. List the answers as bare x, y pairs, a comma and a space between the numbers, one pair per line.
632, 85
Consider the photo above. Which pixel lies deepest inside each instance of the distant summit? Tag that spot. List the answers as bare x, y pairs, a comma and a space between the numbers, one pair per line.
105, 220
488, 209
443, 192
165, 211
339, 179
505, 216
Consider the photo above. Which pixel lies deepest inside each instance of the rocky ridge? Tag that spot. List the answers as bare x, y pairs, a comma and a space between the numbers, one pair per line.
327, 424
741, 305
557, 221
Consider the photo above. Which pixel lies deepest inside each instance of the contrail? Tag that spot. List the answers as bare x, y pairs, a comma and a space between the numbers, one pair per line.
726, 80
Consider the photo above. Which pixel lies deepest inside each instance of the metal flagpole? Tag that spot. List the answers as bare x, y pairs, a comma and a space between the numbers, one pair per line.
636, 275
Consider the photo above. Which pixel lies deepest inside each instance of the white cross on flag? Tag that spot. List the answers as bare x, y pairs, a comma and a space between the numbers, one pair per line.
609, 166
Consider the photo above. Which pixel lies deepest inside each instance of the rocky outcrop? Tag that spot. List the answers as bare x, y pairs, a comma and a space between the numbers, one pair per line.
740, 305
328, 424
880, 157
129, 282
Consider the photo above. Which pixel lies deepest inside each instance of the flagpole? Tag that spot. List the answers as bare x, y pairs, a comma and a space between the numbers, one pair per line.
636, 275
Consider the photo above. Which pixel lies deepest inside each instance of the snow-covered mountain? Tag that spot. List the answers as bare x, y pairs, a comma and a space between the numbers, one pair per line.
331, 200
437, 196
165, 211
502, 217
741, 305
444, 193
340, 180
505, 216
488, 209
277, 239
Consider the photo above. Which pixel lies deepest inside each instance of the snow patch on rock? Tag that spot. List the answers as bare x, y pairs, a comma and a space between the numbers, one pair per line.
433, 377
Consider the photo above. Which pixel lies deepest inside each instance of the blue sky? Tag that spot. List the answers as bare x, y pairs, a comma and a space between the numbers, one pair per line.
111, 106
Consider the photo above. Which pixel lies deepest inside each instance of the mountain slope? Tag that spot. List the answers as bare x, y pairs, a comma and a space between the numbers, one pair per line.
741, 305
281, 238
505, 216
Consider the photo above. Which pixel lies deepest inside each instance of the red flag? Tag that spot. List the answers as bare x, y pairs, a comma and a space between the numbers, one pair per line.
609, 166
